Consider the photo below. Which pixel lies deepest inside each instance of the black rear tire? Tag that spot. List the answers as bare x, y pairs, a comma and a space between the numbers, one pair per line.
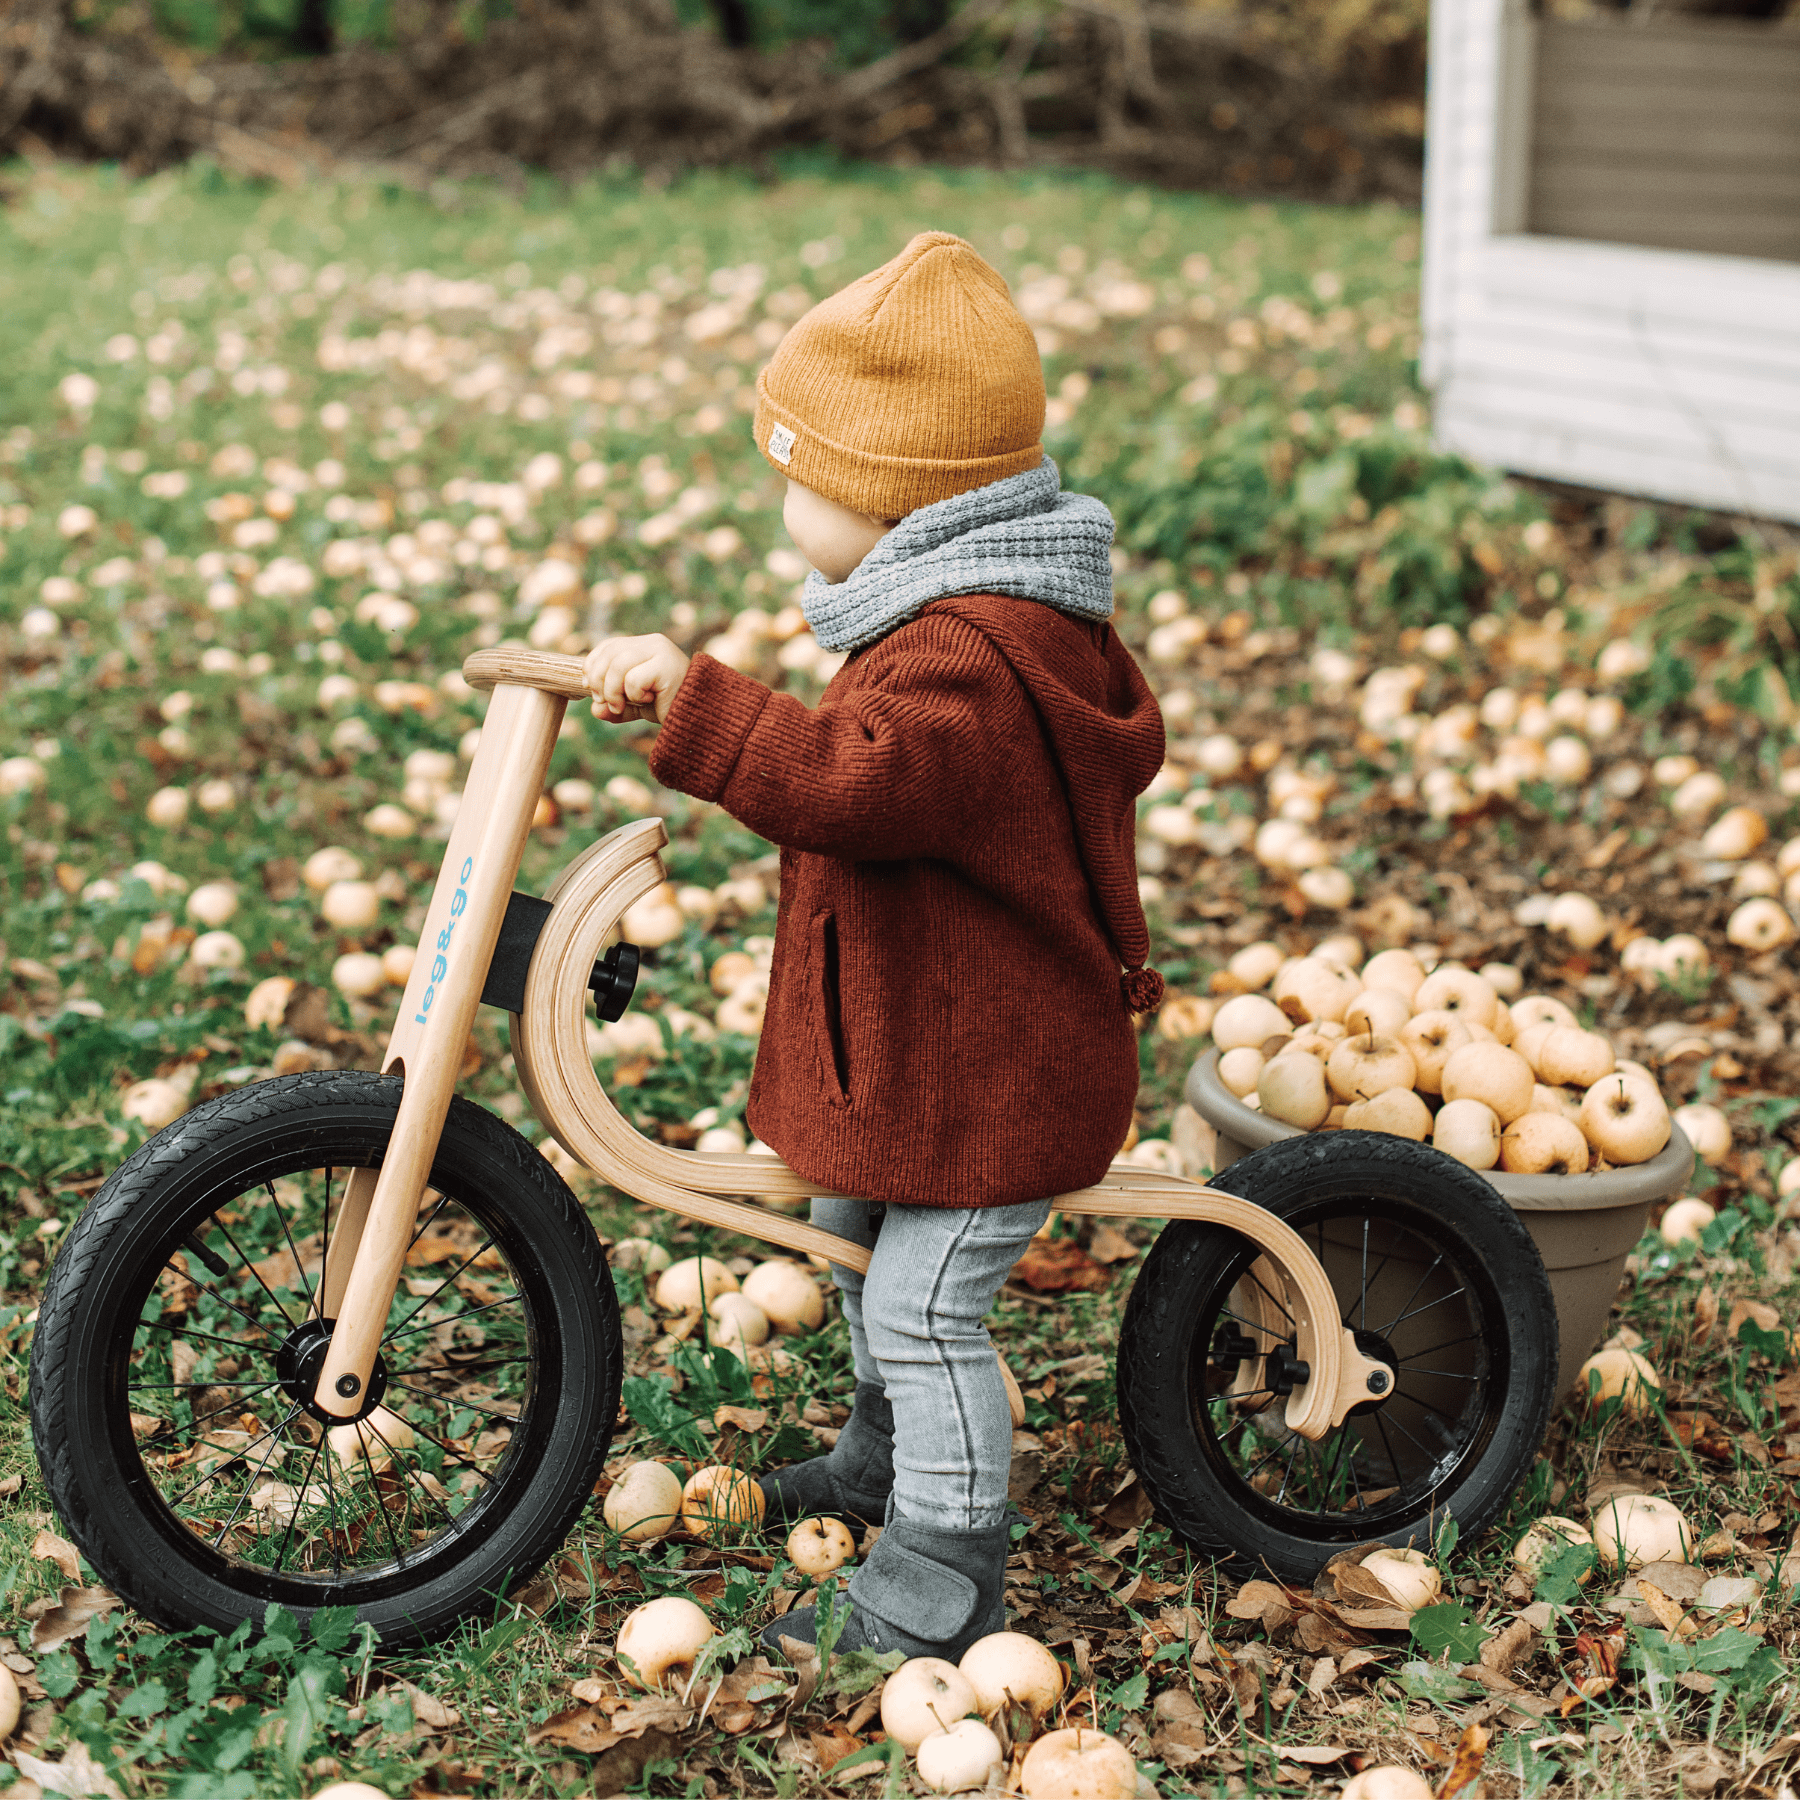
176, 1451
1431, 1263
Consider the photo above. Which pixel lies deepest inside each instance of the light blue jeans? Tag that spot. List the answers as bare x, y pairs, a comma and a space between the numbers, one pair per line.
916, 1330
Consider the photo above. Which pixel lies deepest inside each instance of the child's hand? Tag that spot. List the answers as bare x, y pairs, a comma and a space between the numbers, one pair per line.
634, 677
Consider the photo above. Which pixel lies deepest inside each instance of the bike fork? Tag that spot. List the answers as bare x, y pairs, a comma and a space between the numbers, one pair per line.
462, 925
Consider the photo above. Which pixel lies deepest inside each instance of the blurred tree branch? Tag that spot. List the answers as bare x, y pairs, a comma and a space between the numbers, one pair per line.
1317, 97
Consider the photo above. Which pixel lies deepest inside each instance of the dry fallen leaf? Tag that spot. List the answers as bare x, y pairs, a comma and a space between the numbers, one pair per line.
75, 1773
619, 1767
1250, 1601
733, 1705
1110, 1246
1669, 1615
430, 1711
69, 1617
48, 1547
1465, 1765
1358, 1586
652, 1712
745, 1418
1056, 1265
1756, 1312
584, 1728
1504, 1648
833, 1744
1130, 1505
598, 1691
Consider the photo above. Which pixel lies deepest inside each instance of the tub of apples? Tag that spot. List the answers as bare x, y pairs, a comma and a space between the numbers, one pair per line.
1578, 1142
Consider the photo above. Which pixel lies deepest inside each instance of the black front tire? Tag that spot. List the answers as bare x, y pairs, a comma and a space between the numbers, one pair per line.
155, 1370
1431, 1263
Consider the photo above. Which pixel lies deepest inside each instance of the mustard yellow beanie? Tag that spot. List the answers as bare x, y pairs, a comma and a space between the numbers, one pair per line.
917, 382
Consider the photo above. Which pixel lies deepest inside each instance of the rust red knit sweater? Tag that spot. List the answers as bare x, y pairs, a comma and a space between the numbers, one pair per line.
957, 823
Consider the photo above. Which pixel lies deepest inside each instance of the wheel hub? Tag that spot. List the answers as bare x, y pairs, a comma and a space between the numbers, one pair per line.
301, 1358
1284, 1371
1230, 1347
1374, 1346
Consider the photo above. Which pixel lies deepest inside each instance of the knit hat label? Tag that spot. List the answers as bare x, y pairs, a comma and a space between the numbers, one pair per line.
781, 444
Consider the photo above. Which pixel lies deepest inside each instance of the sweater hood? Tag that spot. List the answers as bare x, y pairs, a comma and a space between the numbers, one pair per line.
1105, 732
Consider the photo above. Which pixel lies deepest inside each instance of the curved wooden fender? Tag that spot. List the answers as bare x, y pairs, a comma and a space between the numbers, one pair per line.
550, 1049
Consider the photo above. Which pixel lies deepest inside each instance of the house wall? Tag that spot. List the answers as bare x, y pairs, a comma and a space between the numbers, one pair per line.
1663, 372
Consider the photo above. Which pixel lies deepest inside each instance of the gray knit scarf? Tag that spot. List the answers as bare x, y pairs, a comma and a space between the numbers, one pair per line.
1020, 536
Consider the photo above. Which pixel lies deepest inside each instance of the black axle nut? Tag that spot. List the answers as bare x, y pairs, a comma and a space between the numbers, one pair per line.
347, 1385
1378, 1381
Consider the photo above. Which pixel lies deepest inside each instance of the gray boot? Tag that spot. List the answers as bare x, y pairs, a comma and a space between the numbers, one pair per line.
923, 1591
852, 1483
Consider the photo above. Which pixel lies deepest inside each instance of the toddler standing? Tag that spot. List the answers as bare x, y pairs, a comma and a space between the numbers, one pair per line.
948, 1042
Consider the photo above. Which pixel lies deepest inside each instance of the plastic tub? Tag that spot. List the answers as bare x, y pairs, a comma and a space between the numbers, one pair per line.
1584, 1226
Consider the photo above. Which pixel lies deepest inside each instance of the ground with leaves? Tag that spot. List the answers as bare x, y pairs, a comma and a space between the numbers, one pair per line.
276, 462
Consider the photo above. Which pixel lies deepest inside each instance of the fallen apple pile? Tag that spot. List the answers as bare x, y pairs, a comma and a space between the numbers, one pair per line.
1443, 1053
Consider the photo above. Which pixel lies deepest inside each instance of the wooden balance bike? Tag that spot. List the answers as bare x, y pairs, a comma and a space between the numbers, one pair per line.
344, 1339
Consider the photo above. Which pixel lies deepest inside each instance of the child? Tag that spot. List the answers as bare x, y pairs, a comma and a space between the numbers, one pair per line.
948, 1042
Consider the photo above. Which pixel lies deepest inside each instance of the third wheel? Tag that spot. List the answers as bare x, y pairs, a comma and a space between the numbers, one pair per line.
1436, 1277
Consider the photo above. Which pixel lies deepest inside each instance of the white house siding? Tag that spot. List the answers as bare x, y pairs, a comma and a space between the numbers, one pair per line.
1668, 373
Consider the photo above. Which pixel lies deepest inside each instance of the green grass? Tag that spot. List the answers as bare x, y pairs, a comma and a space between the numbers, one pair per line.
1236, 381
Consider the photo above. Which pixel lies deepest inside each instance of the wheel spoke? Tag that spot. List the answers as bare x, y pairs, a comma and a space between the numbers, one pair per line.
447, 1400
325, 1228
248, 1317
1287, 1469
1362, 1303
242, 1455
1410, 1298
331, 1537
406, 1474
1361, 1504
510, 1362
430, 1220
312, 1303
156, 1436
1387, 1445
450, 1450
1469, 1337
299, 1502
1431, 1461
387, 1524
455, 1319
248, 1264
1251, 1272
192, 1384
206, 1337
224, 1530
1426, 1406
1417, 1311
1266, 1330
487, 1244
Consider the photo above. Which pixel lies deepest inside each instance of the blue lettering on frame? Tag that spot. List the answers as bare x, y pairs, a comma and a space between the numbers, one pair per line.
459, 904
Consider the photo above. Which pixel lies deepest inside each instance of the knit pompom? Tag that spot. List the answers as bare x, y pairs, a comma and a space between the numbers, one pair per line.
1143, 990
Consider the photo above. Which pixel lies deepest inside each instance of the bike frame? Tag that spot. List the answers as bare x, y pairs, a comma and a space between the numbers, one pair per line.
531, 692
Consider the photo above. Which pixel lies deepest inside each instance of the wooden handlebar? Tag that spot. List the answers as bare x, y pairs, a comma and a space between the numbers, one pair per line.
521, 667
